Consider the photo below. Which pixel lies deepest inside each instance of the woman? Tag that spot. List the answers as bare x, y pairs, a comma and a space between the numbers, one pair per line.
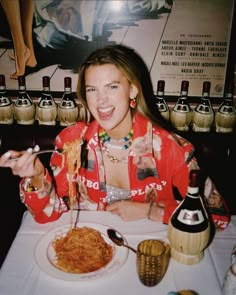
20, 19
130, 163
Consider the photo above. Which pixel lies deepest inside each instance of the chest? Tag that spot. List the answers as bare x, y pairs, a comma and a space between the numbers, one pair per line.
116, 172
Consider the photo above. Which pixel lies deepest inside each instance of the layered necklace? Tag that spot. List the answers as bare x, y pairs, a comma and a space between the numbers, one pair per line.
121, 144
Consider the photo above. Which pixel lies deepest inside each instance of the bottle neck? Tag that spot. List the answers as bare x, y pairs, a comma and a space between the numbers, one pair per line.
2, 89
184, 89
228, 96
193, 190
46, 89
204, 101
67, 90
205, 95
160, 94
227, 101
184, 94
22, 88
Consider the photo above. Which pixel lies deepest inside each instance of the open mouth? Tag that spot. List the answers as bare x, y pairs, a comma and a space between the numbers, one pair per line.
105, 113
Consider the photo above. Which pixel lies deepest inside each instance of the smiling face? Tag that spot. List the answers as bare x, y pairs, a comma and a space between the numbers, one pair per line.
108, 94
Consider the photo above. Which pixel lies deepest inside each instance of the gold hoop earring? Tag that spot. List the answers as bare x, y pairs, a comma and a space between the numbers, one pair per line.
133, 103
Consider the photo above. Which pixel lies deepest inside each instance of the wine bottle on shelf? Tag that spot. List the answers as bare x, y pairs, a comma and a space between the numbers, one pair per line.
181, 114
203, 114
24, 107
225, 117
6, 104
189, 229
68, 110
46, 109
160, 100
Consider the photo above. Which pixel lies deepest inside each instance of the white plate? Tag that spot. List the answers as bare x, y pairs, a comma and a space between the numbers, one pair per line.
45, 255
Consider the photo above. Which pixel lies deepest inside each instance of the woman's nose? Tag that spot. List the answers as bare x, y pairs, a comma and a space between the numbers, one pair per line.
101, 97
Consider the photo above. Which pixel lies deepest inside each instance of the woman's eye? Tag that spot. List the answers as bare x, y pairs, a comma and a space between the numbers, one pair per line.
90, 89
113, 86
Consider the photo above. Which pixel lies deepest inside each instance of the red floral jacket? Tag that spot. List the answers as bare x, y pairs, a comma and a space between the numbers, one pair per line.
157, 162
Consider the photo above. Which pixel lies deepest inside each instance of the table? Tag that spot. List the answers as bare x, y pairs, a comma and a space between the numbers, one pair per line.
20, 274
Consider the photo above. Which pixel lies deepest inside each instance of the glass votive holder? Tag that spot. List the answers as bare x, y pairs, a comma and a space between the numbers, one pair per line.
152, 261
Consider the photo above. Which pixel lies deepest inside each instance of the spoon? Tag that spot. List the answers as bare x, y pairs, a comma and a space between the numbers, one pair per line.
117, 239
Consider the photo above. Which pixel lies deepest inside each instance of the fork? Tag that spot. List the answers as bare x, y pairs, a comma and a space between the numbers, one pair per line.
41, 152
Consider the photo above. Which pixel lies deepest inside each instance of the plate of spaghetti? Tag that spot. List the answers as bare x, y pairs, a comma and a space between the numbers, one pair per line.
79, 254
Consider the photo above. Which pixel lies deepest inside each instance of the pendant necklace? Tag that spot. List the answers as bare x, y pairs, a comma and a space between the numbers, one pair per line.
114, 159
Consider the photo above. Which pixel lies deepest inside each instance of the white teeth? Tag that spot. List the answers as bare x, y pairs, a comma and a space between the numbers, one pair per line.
105, 110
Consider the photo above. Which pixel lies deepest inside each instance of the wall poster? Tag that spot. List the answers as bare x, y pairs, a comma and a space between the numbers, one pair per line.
178, 39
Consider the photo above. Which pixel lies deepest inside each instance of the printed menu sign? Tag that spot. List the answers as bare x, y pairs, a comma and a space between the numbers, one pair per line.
194, 46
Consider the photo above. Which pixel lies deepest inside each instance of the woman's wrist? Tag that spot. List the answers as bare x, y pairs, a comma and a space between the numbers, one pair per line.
150, 209
156, 212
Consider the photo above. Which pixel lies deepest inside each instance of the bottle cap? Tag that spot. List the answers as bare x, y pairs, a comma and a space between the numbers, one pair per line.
161, 85
46, 81
2, 80
21, 80
206, 86
194, 178
184, 85
67, 82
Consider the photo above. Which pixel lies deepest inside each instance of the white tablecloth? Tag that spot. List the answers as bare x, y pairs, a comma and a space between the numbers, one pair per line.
21, 275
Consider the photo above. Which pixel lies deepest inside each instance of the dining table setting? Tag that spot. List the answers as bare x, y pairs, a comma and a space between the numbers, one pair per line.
30, 267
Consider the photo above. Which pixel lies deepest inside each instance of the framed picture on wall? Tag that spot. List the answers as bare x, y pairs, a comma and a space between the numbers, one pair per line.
178, 39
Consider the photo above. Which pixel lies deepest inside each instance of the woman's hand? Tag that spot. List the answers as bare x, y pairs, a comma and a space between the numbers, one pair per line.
129, 210
28, 164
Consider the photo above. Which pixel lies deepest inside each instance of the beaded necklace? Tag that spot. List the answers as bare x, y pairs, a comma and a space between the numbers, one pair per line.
123, 143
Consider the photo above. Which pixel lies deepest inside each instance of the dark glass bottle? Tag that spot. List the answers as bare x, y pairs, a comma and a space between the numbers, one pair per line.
181, 114
191, 215
203, 114
6, 105
68, 110
24, 107
225, 118
160, 100
46, 109
189, 228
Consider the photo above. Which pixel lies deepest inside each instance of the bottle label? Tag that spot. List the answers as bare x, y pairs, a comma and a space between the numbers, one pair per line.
182, 108
4, 101
162, 107
46, 102
23, 102
67, 104
190, 217
227, 110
